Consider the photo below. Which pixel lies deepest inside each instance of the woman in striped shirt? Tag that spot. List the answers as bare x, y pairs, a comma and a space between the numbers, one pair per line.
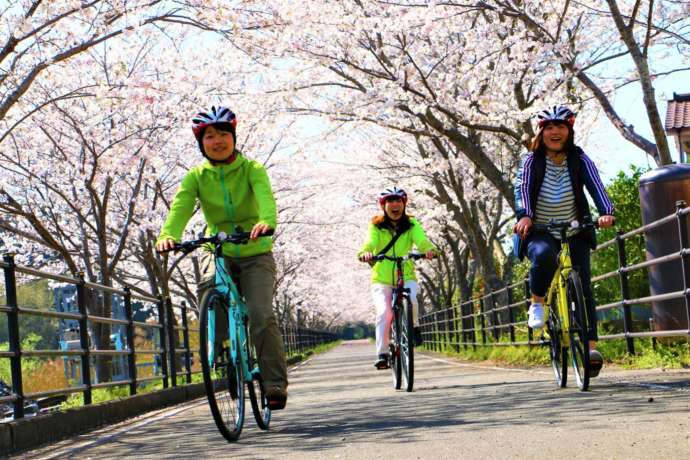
550, 185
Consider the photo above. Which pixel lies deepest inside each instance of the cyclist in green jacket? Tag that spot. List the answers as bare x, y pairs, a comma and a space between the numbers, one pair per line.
381, 231
235, 191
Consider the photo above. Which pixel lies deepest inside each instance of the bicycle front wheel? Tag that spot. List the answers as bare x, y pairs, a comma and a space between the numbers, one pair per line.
223, 378
407, 346
579, 332
558, 353
394, 356
257, 391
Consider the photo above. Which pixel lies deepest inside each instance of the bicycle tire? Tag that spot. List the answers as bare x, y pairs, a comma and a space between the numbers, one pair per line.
224, 382
579, 332
256, 389
407, 346
395, 363
558, 353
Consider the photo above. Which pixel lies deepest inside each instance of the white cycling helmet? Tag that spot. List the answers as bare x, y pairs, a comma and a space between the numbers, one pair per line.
392, 192
218, 114
557, 113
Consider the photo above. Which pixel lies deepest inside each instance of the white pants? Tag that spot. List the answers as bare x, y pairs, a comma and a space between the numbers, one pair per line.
383, 298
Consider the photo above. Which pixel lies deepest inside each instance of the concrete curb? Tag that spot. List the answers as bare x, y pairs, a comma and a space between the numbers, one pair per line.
33, 432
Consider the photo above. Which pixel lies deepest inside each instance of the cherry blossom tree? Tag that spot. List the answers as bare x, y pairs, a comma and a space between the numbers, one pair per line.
586, 38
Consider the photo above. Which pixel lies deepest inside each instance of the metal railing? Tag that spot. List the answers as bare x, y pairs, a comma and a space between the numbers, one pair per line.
171, 320
477, 322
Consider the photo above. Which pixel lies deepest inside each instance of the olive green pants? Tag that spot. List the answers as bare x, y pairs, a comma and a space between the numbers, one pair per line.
257, 279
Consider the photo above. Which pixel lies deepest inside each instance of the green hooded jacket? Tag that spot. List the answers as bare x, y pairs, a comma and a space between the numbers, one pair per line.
235, 194
384, 271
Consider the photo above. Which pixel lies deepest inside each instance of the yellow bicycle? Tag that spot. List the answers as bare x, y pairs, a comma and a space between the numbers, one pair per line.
567, 324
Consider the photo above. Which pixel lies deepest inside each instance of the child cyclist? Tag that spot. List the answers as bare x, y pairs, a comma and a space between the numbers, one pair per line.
382, 230
550, 185
235, 191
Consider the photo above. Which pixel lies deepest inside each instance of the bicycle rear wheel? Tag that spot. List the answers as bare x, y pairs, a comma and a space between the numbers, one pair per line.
394, 356
579, 332
558, 353
407, 345
223, 379
256, 389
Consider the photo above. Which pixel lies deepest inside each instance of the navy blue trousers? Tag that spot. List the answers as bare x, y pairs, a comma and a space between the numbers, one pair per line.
542, 251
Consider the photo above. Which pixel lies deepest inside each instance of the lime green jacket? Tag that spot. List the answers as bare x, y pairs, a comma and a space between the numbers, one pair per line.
230, 195
384, 271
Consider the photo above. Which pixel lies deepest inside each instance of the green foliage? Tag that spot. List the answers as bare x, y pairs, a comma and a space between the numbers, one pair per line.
667, 355
108, 394
38, 295
354, 331
29, 364
623, 191
530, 356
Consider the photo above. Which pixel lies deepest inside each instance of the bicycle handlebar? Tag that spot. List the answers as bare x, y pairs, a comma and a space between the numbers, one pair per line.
217, 239
564, 224
412, 255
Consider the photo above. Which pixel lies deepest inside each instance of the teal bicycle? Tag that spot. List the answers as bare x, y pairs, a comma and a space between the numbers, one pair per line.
228, 359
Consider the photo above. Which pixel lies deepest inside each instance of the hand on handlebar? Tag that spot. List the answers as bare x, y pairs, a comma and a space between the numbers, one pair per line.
258, 230
166, 245
606, 221
523, 227
429, 255
366, 257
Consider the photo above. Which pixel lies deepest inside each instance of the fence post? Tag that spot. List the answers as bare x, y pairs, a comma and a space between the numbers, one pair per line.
455, 341
436, 333
162, 332
494, 317
286, 340
473, 323
13, 333
131, 358
685, 259
172, 336
511, 315
84, 338
299, 331
185, 339
528, 302
625, 291
483, 319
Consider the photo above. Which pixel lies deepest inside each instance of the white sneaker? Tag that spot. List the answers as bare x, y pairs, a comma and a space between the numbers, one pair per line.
535, 314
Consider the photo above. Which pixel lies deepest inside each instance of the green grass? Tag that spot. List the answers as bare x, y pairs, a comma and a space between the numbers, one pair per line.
513, 356
668, 354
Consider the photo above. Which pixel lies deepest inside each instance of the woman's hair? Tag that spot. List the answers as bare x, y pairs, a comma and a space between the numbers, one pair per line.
537, 145
383, 221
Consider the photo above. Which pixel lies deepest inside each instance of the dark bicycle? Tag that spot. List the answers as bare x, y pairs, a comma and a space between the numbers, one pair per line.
401, 346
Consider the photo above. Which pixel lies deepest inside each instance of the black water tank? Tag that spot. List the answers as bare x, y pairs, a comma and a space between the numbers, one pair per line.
660, 189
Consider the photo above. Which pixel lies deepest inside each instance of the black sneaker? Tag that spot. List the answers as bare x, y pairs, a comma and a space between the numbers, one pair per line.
382, 362
418, 339
596, 362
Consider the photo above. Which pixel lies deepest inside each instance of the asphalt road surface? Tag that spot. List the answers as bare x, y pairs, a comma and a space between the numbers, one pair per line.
340, 407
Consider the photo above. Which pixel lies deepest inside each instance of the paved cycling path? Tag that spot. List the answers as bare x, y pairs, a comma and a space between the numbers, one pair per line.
340, 407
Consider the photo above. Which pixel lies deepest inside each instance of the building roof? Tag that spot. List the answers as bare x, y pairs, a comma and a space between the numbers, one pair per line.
678, 113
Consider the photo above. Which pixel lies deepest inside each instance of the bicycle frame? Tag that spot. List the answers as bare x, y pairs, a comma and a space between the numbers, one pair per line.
559, 285
399, 288
237, 315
